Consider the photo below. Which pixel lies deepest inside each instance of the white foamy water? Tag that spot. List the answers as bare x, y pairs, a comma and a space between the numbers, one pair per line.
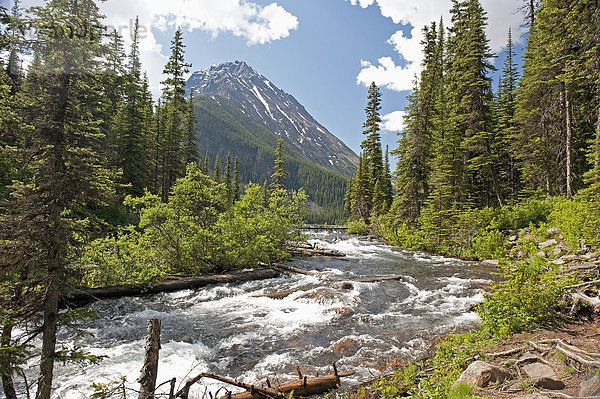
232, 331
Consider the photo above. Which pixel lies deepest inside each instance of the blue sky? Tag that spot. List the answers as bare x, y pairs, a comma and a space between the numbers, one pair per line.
323, 52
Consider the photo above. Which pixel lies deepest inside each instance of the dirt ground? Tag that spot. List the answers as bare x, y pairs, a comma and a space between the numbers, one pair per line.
582, 334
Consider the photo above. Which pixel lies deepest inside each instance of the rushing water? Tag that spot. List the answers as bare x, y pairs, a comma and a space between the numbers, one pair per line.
231, 331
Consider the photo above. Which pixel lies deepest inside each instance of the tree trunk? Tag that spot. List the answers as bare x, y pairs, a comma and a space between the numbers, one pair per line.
568, 144
83, 297
597, 150
531, 13
147, 379
50, 324
6, 368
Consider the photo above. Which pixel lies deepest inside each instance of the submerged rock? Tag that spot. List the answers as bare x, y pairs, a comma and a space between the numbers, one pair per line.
480, 374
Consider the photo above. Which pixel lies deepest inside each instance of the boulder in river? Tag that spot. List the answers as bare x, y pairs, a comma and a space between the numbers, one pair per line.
480, 374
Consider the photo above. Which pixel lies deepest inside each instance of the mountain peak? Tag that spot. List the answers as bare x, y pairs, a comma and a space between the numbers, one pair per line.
279, 111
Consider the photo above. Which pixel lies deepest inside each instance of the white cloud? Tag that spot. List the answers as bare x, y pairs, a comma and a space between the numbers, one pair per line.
250, 21
394, 121
254, 23
400, 76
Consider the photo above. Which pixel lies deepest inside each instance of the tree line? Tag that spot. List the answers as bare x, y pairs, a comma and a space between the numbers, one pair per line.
466, 147
100, 185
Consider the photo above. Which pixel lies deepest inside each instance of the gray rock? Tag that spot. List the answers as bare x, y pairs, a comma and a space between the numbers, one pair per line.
543, 376
490, 263
538, 370
547, 243
541, 254
569, 258
558, 262
557, 251
590, 387
590, 256
554, 231
531, 396
513, 238
480, 374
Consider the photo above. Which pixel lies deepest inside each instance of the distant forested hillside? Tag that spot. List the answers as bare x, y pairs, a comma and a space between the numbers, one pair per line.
224, 128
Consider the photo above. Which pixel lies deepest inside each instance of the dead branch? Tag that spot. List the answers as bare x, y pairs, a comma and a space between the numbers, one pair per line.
509, 352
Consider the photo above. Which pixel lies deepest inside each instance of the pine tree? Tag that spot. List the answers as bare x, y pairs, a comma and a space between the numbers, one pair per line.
280, 171
415, 144
190, 145
228, 182
506, 128
217, 170
69, 175
174, 109
236, 179
470, 97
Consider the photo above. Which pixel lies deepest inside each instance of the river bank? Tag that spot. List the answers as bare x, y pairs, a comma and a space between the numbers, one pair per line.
541, 318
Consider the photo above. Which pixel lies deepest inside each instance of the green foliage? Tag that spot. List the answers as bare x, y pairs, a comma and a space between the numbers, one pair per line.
358, 227
196, 231
579, 219
530, 297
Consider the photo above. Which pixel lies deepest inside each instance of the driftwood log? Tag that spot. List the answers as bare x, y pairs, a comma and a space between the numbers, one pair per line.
304, 386
87, 296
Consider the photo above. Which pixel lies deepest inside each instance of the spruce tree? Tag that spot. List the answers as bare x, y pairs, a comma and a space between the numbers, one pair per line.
506, 128
69, 175
217, 170
280, 171
470, 100
190, 145
415, 143
174, 109
228, 182
236, 179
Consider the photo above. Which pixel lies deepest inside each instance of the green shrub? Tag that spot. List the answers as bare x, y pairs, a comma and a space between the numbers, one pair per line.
530, 297
358, 227
579, 219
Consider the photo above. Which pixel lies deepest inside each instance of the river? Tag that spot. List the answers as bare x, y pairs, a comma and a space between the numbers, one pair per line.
230, 331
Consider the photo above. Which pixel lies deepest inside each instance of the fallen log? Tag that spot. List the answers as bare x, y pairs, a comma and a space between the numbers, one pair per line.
304, 386
292, 269
315, 252
379, 279
87, 296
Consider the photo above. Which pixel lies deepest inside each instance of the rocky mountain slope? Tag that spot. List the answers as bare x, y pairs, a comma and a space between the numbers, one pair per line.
224, 128
280, 112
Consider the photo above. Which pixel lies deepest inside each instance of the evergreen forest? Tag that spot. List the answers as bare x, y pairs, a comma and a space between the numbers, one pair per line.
100, 185
474, 163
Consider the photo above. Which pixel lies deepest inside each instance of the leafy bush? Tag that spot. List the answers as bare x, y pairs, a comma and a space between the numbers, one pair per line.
529, 298
358, 227
579, 219
196, 231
